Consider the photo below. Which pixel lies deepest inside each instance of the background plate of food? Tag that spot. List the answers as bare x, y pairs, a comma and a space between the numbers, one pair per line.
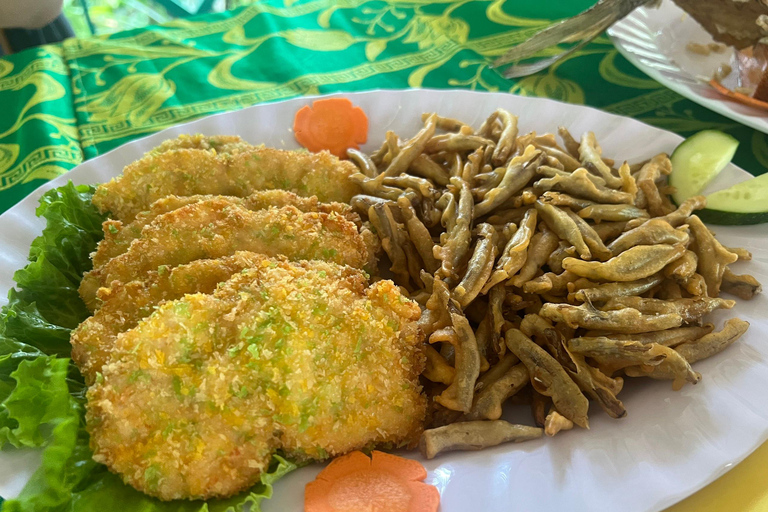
649, 446
721, 73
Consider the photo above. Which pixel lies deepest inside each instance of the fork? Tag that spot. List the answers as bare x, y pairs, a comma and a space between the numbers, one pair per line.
580, 29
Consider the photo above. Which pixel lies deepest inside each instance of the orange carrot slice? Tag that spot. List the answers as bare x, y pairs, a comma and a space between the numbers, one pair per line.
381, 483
737, 96
333, 124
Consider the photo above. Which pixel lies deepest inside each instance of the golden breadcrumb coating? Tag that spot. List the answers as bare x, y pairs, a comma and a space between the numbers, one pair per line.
216, 227
124, 305
118, 236
186, 172
221, 143
296, 356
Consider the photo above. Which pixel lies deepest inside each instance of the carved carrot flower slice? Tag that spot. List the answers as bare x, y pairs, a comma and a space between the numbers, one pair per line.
381, 483
333, 124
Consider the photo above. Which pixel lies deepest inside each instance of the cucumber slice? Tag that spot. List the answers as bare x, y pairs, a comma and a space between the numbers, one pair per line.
743, 203
697, 160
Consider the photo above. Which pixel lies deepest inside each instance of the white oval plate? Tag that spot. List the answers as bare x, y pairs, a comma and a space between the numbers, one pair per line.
654, 39
670, 444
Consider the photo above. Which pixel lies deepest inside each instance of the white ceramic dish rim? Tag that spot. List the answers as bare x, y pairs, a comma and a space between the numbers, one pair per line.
721, 105
25, 210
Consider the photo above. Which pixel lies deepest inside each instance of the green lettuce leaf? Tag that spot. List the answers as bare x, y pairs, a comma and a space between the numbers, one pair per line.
39, 399
72, 231
12, 353
45, 306
23, 322
45, 285
42, 395
66, 463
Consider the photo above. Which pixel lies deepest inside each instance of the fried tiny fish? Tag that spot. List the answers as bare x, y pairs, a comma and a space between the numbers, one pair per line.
118, 236
294, 356
190, 171
474, 435
215, 228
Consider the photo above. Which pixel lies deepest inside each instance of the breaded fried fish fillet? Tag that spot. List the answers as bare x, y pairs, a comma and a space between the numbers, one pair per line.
118, 236
186, 172
124, 305
216, 227
294, 356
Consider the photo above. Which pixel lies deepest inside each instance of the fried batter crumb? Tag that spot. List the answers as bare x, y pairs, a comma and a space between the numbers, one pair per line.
295, 356
187, 167
118, 237
215, 228
124, 305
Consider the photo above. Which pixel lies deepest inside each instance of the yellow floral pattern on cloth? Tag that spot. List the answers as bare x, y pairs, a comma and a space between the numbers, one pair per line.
73, 101
38, 132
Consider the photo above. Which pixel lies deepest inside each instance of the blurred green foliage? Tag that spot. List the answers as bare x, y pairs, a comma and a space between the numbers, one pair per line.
114, 15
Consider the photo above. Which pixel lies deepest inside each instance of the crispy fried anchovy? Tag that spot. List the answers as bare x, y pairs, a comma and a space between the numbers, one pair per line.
474, 435
621, 320
631, 265
549, 378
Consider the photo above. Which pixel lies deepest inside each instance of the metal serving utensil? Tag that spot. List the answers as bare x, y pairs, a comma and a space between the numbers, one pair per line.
580, 29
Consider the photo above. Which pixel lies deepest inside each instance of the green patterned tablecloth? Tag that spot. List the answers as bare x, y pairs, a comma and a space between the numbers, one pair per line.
65, 103
62, 104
